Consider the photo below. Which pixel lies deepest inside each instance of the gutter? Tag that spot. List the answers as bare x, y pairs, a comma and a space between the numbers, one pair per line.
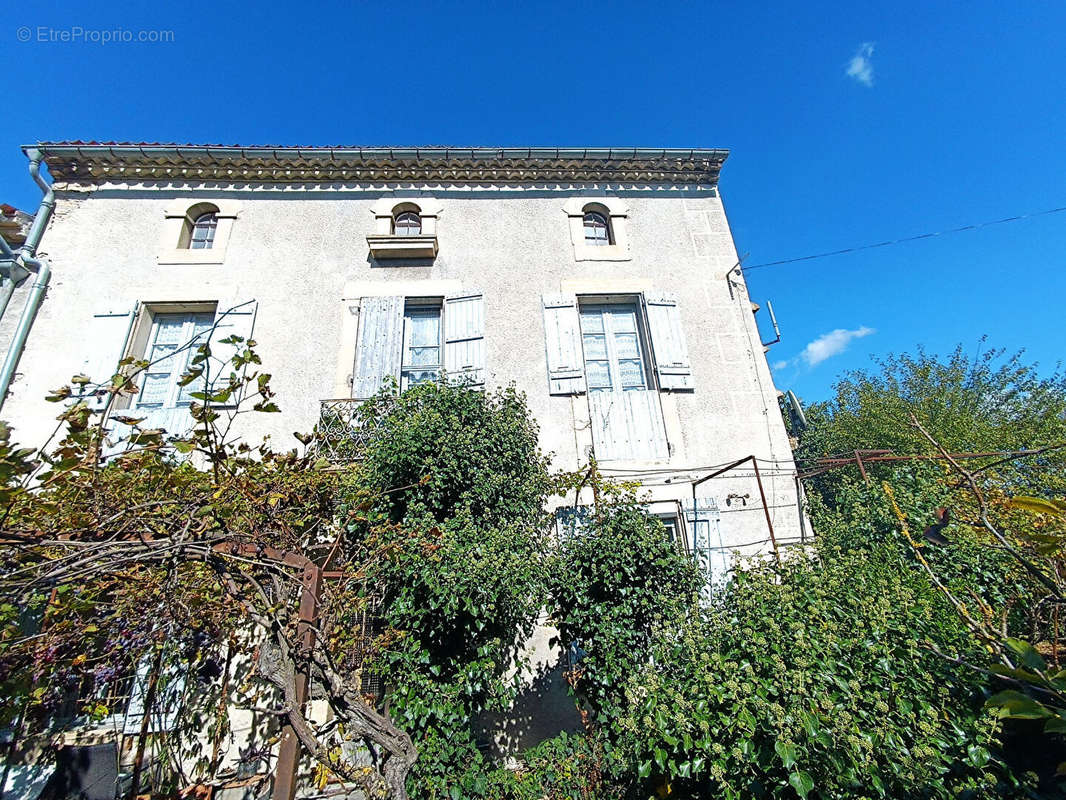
27, 257
228, 152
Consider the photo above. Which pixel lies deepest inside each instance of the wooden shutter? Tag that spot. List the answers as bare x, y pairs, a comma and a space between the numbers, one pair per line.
668, 342
464, 338
107, 338
379, 345
562, 337
239, 320
704, 525
628, 425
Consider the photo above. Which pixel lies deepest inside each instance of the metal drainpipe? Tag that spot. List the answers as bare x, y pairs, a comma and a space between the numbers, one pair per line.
26, 258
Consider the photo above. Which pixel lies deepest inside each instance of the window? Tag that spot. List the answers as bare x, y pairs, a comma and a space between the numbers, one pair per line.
407, 223
202, 236
416, 339
614, 356
622, 350
597, 229
421, 344
172, 345
196, 231
404, 230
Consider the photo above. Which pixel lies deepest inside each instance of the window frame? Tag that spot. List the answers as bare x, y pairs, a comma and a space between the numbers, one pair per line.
206, 223
418, 306
407, 216
599, 221
608, 311
188, 342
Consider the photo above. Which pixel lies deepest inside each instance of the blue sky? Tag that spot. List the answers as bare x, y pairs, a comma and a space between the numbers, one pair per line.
953, 114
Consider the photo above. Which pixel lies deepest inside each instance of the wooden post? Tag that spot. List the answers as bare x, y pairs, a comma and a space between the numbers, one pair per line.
289, 752
146, 721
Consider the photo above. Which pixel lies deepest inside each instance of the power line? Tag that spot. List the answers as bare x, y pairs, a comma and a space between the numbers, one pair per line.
974, 227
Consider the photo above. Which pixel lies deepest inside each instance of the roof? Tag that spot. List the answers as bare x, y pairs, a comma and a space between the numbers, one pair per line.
93, 162
14, 224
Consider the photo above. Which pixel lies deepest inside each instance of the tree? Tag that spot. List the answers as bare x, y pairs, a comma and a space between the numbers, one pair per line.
197, 551
966, 524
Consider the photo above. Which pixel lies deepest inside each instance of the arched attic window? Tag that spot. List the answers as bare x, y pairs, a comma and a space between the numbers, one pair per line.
201, 224
407, 220
597, 226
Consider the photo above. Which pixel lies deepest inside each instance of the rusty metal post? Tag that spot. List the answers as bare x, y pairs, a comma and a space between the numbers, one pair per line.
766, 510
289, 752
862, 469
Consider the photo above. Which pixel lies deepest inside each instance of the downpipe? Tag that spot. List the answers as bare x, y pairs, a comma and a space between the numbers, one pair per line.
22, 332
27, 257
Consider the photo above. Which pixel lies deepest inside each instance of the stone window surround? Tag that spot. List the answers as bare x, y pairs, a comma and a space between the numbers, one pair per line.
385, 244
616, 213
180, 215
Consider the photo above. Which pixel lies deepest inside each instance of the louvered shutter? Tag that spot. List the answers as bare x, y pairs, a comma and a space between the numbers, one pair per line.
379, 346
464, 338
562, 338
107, 337
239, 320
704, 525
668, 342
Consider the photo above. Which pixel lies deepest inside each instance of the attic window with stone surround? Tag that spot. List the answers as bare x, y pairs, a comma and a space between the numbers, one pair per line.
404, 229
598, 228
196, 231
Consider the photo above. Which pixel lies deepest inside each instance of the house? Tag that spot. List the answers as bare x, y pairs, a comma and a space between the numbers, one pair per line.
601, 282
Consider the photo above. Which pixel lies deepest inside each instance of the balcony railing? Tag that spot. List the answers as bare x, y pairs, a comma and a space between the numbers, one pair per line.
342, 432
344, 427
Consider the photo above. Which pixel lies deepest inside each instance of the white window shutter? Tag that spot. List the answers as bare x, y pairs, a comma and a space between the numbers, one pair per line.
562, 337
108, 337
668, 342
464, 338
238, 320
709, 551
379, 347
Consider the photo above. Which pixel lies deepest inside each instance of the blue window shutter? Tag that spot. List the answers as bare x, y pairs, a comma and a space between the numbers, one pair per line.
562, 338
108, 336
668, 342
464, 338
379, 344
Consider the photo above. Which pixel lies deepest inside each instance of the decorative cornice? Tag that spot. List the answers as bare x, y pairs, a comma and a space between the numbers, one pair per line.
79, 162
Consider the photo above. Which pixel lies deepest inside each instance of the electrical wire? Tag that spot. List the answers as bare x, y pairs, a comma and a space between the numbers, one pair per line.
903, 240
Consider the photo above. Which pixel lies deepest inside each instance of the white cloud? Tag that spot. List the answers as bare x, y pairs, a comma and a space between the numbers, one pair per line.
779, 365
831, 344
861, 66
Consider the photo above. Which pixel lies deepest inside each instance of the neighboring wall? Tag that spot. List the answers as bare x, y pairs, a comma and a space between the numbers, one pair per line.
301, 253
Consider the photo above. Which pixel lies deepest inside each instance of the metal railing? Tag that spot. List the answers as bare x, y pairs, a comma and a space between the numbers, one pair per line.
346, 424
